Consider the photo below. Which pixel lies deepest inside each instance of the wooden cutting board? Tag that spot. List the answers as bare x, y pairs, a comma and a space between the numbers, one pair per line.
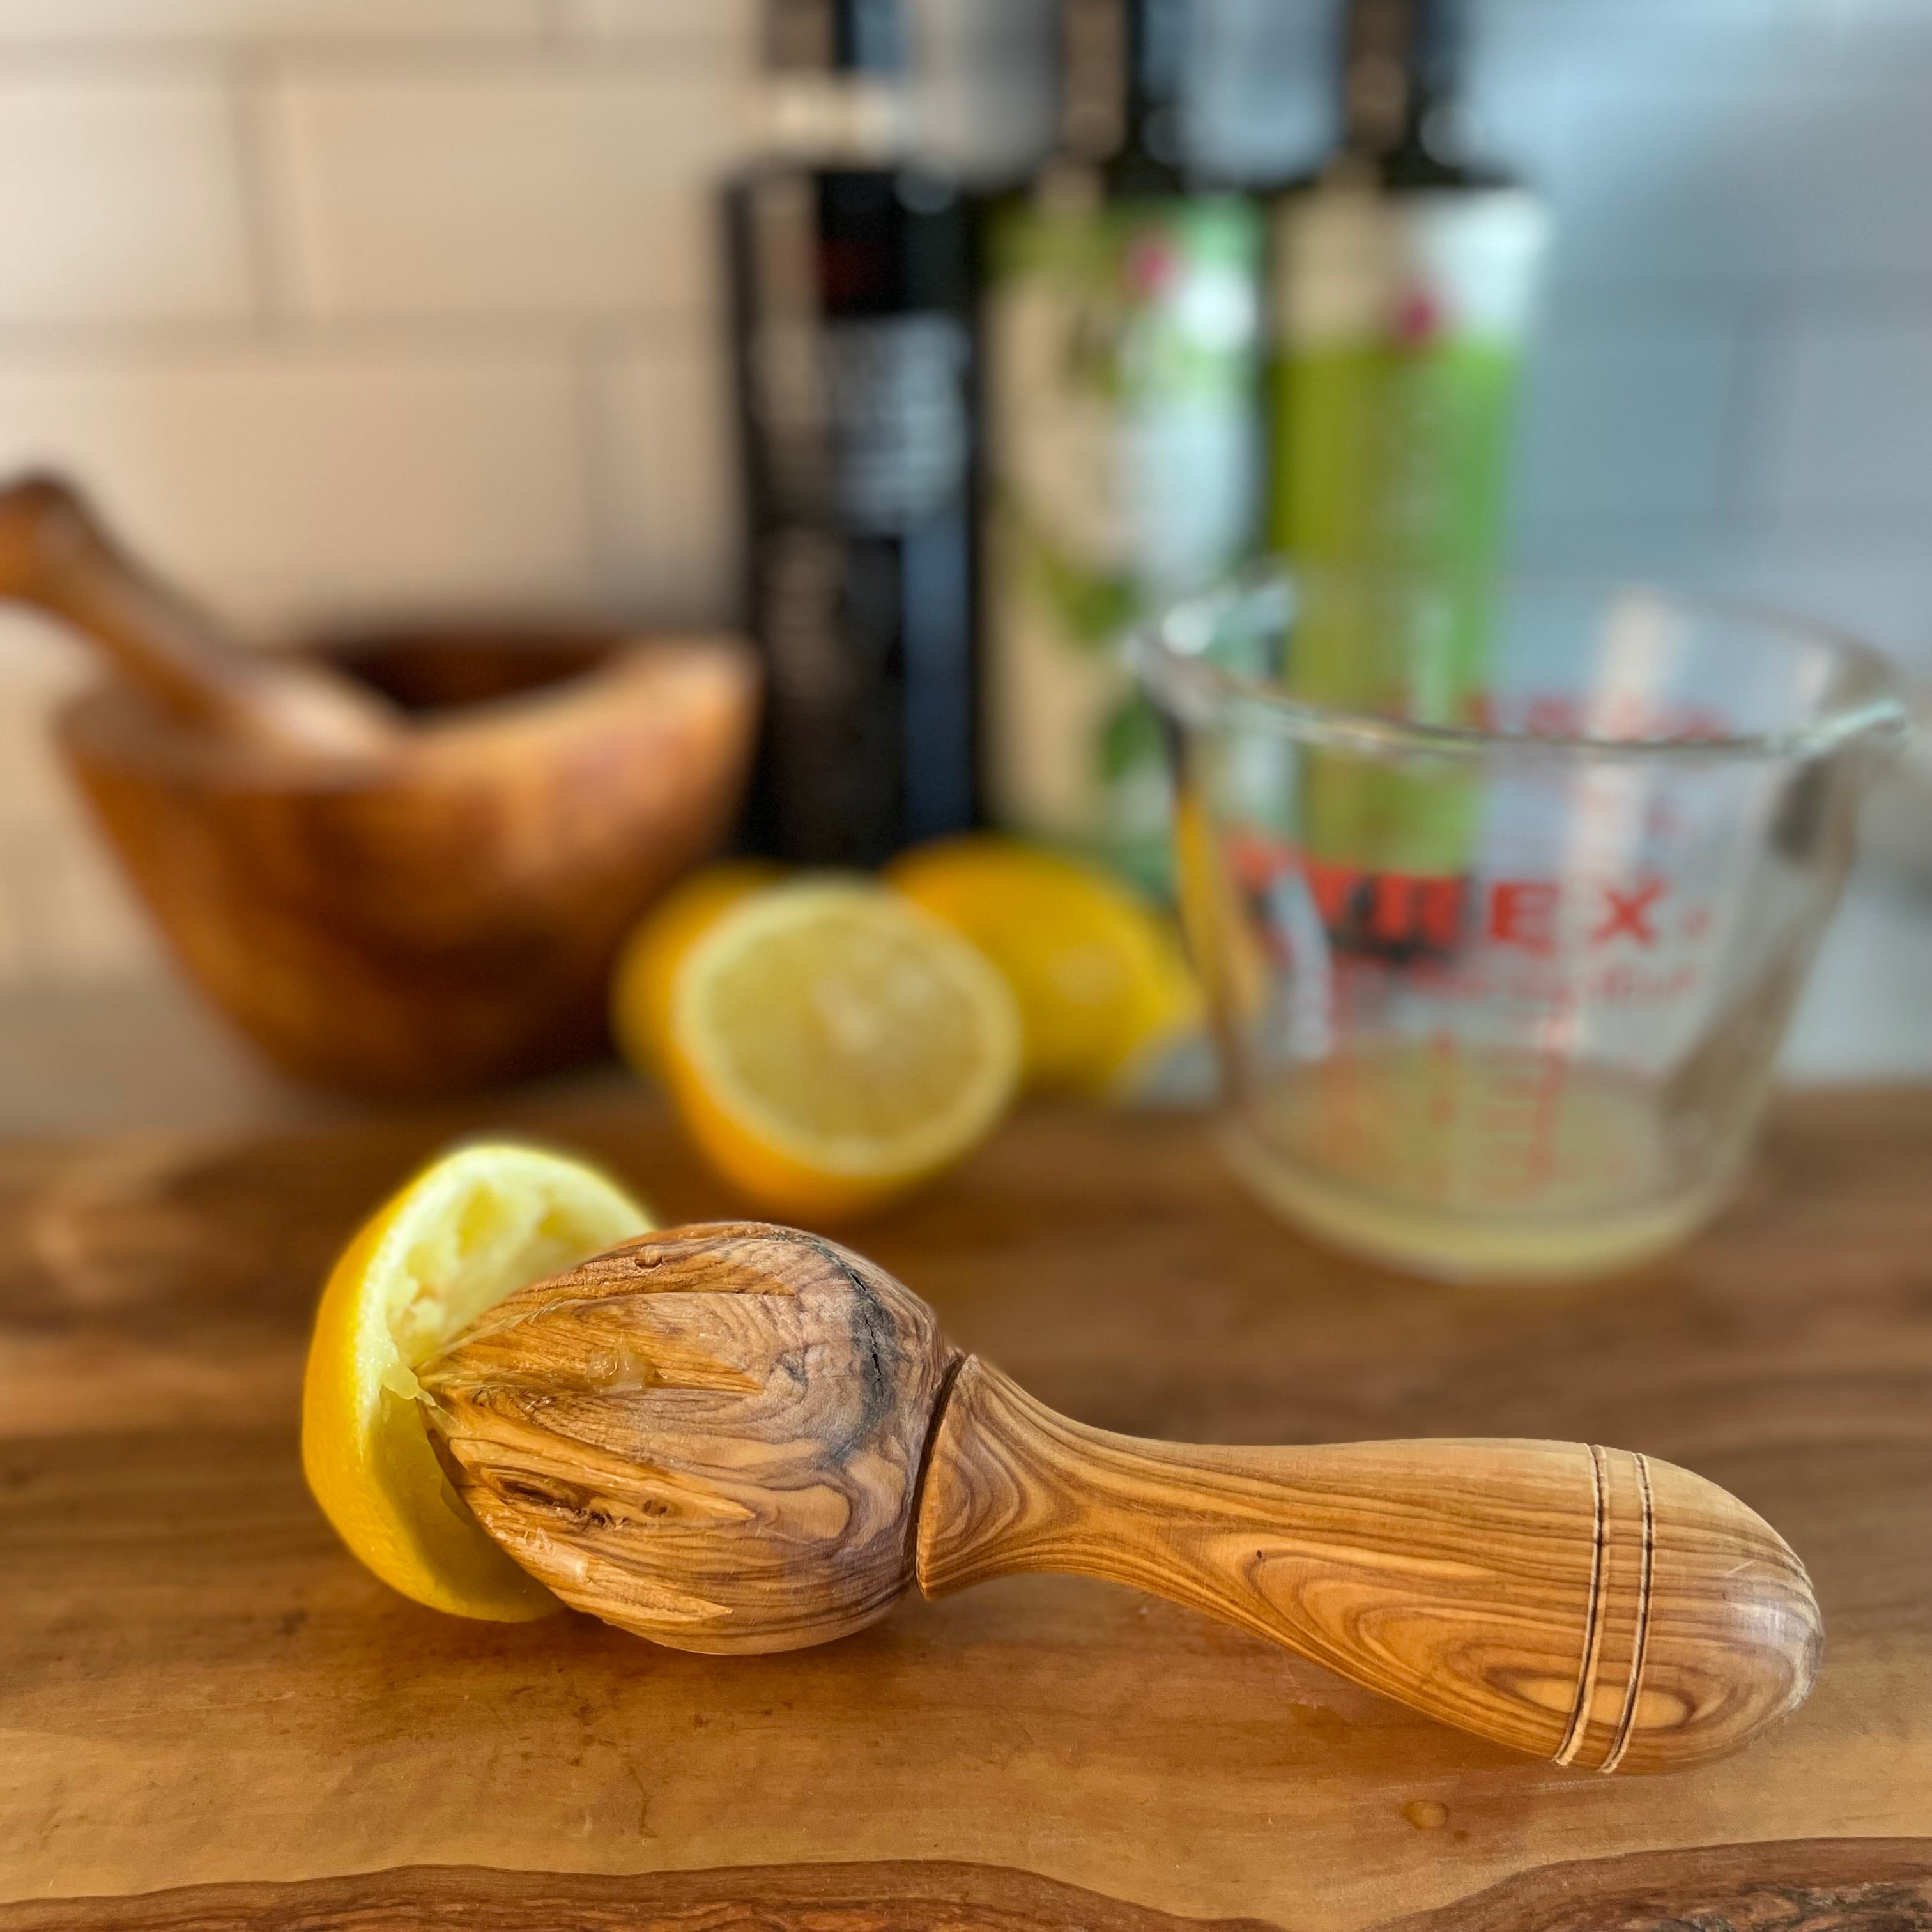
204, 1703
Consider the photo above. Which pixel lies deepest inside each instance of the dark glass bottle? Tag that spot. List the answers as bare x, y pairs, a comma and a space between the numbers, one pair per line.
1122, 341
850, 272
1145, 163
1400, 75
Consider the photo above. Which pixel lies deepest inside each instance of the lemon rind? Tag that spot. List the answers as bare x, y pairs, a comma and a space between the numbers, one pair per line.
852, 1158
393, 1542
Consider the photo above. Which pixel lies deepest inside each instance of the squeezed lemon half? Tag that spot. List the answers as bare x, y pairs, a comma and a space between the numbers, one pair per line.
831, 1045
471, 1228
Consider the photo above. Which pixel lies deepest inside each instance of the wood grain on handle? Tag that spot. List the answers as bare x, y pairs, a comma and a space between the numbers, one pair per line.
1600, 1609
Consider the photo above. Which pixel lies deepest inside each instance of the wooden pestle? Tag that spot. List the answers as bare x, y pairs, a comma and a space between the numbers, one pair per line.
54, 553
737, 1438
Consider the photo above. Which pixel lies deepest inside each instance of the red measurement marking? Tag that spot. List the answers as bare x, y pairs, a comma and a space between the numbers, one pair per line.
1255, 859
1552, 718
1522, 912
1442, 1104
1557, 715
1406, 910
1553, 1076
1629, 913
1399, 908
1331, 887
1390, 918
1624, 985
1533, 916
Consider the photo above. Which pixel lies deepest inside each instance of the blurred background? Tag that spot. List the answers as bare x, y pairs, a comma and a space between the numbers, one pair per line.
349, 307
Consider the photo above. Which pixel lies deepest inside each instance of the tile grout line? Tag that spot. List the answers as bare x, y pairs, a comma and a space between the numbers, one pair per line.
244, 82
54, 344
589, 362
1741, 509
553, 41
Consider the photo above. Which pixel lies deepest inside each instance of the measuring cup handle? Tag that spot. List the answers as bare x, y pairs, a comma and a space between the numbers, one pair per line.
1600, 1609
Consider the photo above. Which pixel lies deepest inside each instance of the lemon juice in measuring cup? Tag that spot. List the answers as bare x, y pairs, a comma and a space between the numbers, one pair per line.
1538, 1049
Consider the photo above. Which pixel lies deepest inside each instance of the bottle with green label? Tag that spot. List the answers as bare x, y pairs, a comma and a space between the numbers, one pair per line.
1122, 348
1402, 281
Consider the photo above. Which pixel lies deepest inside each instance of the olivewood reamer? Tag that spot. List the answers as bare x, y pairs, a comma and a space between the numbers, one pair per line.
742, 1437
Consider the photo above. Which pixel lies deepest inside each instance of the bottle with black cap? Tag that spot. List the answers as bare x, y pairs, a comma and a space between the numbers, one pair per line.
851, 270
1121, 328
1401, 293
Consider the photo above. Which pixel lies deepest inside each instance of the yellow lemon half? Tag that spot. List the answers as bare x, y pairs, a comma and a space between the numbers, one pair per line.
1103, 986
832, 1045
641, 983
469, 1229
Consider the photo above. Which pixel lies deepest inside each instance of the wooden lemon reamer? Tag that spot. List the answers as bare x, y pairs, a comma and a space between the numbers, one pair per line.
738, 1438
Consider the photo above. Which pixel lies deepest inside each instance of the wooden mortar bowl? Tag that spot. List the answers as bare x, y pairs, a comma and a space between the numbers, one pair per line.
445, 913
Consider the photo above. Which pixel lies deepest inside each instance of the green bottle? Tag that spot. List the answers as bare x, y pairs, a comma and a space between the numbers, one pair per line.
1402, 287
1123, 352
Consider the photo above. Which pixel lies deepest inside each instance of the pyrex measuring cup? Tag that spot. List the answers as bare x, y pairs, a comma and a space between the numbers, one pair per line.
1498, 965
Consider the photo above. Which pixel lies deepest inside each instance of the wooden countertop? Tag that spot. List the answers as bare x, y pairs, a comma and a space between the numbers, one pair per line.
205, 1701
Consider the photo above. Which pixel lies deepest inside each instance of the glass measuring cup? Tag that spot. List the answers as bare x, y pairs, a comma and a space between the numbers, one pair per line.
1499, 963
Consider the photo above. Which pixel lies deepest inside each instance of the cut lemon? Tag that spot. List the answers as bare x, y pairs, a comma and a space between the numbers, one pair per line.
832, 1045
1104, 988
474, 1227
641, 986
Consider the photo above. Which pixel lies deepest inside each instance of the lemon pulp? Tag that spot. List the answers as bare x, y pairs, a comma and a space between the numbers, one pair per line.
831, 1044
472, 1228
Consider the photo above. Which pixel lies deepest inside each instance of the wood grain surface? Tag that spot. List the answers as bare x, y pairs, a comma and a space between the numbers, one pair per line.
445, 914
909, 1895
200, 1688
1594, 1607
1841, 1885
713, 1436
774, 1511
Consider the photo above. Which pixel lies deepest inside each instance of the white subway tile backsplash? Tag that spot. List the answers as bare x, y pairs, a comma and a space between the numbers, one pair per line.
1682, 178
985, 103
1710, 51
65, 913
282, 482
1864, 1015
1723, 44
349, 305
122, 23
1879, 588
728, 29
123, 201
1876, 586
1629, 419
1260, 106
535, 188
1846, 429
662, 448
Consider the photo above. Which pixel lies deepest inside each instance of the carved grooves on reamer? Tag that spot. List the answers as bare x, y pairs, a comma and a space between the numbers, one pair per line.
1594, 1619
